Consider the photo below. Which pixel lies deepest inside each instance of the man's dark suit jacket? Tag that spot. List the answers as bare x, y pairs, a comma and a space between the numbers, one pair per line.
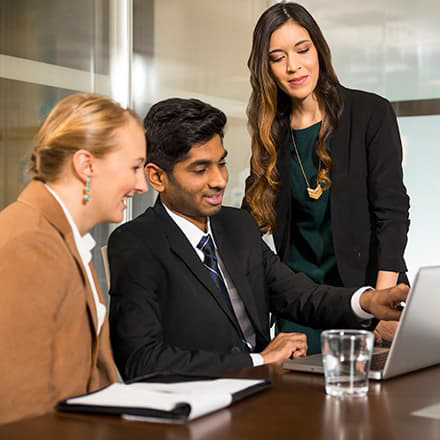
368, 201
165, 311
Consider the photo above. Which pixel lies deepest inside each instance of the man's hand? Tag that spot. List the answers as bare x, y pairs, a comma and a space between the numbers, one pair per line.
285, 346
385, 303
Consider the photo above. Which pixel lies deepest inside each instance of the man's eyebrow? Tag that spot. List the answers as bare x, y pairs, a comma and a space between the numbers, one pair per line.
295, 45
204, 162
200, 162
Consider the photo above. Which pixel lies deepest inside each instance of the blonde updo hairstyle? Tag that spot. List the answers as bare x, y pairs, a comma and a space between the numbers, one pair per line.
80, 121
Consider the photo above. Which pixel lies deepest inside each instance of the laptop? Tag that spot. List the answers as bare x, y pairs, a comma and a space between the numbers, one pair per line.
416, 343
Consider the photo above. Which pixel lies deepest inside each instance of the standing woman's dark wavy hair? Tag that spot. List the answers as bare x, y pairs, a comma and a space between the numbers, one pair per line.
269, 108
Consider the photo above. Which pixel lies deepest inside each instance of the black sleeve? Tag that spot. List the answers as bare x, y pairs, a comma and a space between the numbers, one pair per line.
296, 297
388, 200
136, 326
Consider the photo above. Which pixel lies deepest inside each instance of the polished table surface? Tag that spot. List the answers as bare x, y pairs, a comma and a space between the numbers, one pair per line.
295, 407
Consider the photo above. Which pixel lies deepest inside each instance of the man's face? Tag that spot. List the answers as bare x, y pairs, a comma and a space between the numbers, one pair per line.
195, 187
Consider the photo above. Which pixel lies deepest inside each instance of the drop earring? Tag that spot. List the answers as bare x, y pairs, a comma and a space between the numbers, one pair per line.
86, 197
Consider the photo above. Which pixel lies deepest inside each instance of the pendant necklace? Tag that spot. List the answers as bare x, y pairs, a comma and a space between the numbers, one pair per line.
314, 193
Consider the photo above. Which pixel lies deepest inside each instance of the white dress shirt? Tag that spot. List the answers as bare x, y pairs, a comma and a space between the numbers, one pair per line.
84, 246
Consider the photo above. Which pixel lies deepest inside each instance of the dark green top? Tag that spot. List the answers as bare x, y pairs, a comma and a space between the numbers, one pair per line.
311, 243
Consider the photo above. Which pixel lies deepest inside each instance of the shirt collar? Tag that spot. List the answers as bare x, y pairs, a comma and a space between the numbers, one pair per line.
84, 244
190, 230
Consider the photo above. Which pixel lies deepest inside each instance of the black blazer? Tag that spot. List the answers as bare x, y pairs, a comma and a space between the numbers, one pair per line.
368, 201
165, 311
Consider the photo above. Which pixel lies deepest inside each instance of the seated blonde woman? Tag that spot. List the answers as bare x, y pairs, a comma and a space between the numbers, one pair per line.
54, 339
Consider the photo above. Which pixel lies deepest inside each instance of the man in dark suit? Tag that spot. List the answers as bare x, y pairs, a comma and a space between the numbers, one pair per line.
192, 283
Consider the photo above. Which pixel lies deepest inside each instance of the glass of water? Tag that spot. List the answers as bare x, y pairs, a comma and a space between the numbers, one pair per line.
346, 355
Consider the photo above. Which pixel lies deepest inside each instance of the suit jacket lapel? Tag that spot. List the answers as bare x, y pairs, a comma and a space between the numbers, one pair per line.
37, 195
231, 259
89, 294
183, 249
340, 144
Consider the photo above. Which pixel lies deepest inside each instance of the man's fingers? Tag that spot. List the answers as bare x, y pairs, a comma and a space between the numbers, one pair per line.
399, 293
298, 345
391, 315
299, 354
393, 309
285, 346
300, 351
297, 336
297, 340
385, 304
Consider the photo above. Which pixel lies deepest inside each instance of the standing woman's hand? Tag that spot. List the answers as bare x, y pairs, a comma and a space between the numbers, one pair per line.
385, 330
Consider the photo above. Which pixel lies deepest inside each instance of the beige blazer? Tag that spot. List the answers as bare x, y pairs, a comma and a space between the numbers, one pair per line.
49, 349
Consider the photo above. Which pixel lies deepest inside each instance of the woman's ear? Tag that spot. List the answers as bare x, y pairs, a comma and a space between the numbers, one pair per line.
82, 163
156, 176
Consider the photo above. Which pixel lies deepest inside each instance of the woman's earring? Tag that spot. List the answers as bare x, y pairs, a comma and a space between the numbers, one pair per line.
86, 197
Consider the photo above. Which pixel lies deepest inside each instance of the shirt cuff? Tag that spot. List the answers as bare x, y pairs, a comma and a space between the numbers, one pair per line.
356, 306
257, 359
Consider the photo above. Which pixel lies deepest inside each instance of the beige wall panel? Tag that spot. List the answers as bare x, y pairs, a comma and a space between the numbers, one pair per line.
201, 50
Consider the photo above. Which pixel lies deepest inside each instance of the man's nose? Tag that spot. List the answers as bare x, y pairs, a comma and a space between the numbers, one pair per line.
218, 177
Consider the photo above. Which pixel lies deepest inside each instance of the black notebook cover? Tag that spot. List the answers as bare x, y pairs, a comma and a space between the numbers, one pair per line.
179, 413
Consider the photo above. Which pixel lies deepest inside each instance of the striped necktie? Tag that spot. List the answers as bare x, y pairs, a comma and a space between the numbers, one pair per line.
206, 245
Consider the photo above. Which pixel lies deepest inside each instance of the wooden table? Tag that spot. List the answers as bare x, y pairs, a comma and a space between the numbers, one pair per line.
295, 408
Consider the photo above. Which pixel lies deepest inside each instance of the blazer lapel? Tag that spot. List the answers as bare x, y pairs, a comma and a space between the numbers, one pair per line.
183, 249
37, 195
231, 259
89, 294
340, 144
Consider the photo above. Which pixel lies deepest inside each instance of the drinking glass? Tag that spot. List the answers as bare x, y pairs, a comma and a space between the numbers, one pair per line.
346, 356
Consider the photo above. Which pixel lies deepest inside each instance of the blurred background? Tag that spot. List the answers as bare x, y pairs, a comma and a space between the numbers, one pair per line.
141, 51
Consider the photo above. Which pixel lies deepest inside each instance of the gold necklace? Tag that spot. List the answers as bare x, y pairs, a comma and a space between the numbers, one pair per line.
314, 193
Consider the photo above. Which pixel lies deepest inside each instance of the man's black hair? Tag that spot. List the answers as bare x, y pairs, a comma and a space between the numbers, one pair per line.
173, 126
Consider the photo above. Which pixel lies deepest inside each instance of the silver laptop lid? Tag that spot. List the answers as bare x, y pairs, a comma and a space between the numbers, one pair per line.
417, 341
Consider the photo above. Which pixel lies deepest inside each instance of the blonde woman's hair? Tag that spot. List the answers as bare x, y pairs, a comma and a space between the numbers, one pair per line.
80, 121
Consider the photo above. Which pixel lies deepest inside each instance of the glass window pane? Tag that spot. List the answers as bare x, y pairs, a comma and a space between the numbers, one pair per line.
391, 48
57, 47
23, 107
67, 33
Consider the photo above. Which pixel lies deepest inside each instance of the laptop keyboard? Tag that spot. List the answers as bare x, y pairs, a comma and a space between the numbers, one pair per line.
378, 360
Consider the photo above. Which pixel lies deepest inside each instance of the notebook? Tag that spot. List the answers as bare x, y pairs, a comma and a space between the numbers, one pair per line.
416, 343
176, 400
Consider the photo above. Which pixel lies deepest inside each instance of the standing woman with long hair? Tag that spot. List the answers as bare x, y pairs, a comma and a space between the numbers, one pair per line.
54, 339
326, 177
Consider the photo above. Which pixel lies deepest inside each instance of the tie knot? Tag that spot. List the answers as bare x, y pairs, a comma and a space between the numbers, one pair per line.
206, 245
